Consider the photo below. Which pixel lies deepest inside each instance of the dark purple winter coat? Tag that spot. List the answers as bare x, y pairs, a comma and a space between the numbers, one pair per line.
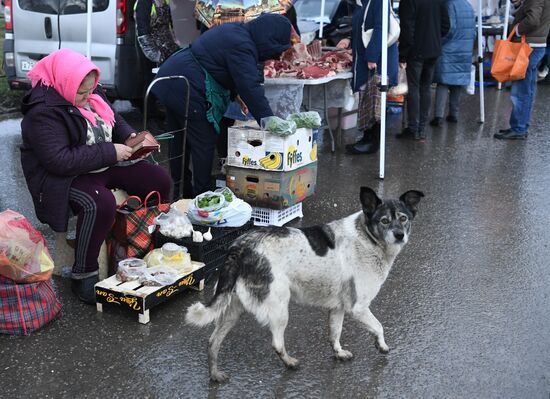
54, 151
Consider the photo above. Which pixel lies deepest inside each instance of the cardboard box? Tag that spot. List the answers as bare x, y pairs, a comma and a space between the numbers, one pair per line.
252, 148
271, 189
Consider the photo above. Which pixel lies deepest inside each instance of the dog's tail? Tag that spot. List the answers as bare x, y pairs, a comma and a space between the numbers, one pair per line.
200, 315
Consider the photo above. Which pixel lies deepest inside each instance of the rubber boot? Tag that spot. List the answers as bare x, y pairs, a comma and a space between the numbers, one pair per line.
369, 144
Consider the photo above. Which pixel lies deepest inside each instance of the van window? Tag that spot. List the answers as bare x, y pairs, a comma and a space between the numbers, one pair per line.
79, 6
43, 6
66, 6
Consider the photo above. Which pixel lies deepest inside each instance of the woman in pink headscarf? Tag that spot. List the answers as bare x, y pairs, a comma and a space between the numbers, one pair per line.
73, 154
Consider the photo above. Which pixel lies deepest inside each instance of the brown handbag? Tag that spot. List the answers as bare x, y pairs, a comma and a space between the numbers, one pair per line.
510, 59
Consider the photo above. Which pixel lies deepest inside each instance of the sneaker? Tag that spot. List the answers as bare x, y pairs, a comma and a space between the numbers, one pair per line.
437, 121
452, 119
510, 135
84, 289
505, 130
541, 74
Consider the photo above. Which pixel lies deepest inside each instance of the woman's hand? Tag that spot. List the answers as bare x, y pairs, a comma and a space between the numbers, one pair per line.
402, 65
123, 152
131, 136
244, 108
344, 43
371, 65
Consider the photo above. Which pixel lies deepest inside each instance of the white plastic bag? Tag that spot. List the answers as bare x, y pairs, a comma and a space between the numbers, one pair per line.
402, 87
174, 224
471, 88
234, 213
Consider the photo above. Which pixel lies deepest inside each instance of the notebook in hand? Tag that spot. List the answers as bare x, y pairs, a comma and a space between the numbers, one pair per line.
143, 144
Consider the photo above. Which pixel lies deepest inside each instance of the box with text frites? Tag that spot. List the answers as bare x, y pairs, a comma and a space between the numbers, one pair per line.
272, 189
252, 148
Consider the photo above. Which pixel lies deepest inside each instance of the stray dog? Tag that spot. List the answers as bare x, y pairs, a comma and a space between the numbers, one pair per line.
339, 266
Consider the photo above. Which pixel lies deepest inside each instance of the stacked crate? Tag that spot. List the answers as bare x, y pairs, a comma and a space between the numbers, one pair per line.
272, 173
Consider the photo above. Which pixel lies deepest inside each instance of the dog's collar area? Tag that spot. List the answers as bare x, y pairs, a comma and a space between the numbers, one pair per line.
371, 236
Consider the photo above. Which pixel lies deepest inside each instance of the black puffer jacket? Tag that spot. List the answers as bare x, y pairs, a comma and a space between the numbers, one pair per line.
423, 24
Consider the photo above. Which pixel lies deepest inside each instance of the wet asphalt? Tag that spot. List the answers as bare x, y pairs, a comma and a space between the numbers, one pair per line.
466, 307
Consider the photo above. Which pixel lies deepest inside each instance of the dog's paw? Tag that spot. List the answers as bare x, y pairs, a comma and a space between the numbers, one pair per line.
343, 354
219, 377
382, 347
291, 362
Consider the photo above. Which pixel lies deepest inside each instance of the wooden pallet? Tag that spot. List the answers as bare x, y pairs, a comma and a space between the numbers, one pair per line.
140, 299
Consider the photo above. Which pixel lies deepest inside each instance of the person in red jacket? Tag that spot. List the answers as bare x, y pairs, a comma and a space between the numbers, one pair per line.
74, 153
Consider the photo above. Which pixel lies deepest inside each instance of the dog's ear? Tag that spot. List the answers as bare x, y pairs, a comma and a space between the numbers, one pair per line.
411, 198
369, 200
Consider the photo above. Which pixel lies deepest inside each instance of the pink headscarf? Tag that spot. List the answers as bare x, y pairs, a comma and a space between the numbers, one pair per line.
65, 70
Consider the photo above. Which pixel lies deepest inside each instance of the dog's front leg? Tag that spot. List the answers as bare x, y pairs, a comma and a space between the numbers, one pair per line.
365, 316
336, 320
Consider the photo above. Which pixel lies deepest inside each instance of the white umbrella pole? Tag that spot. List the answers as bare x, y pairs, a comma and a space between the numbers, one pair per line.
384, 83
505, 28
480, 65
89, 9
322, 19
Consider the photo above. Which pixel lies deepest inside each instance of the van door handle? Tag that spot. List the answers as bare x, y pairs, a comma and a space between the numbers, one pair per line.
48, 27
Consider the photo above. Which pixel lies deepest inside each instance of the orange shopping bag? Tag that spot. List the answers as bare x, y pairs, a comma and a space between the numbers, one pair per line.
510, 59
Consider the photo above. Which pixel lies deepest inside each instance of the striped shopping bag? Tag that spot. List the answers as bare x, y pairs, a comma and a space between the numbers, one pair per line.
25, 307
133, 218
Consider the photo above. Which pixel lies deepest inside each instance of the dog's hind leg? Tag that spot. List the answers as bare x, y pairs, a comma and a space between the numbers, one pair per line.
223, 325
278, 320
374, 326
336, 320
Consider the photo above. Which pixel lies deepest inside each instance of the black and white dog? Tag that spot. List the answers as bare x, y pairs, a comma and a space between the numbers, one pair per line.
339, 266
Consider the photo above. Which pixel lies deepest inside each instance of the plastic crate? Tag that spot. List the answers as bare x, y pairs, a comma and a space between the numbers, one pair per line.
276, 217
212, 253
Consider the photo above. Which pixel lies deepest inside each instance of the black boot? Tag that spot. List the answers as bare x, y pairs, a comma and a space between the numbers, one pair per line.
369, 144
84, 289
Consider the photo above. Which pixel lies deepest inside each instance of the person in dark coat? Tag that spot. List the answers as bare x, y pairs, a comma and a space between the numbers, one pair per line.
367, 62
223, 62
453, 68
73, 154
423, 24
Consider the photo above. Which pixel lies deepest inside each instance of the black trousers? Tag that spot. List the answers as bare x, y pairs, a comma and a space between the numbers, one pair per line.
419, 79
200, 150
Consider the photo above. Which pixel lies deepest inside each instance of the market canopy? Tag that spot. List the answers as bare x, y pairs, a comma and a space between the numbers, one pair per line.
217, 12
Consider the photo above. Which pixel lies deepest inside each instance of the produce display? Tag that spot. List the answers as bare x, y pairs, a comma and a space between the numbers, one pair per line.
278, 126
309, 119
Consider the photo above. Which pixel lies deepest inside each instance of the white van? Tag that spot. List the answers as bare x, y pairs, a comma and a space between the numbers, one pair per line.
35, 28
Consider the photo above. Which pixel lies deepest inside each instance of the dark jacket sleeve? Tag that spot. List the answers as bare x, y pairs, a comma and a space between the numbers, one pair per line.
445, 22
143, 17
121, 130
374, 49
407, 20
530, 17
248, 79
50, 139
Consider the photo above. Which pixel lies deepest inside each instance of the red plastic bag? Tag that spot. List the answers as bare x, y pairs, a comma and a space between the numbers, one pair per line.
24, 256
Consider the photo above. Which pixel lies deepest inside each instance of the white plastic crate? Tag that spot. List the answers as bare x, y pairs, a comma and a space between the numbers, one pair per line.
275, 217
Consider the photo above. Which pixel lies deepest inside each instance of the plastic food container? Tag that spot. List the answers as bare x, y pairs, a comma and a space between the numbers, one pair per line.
132, 264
